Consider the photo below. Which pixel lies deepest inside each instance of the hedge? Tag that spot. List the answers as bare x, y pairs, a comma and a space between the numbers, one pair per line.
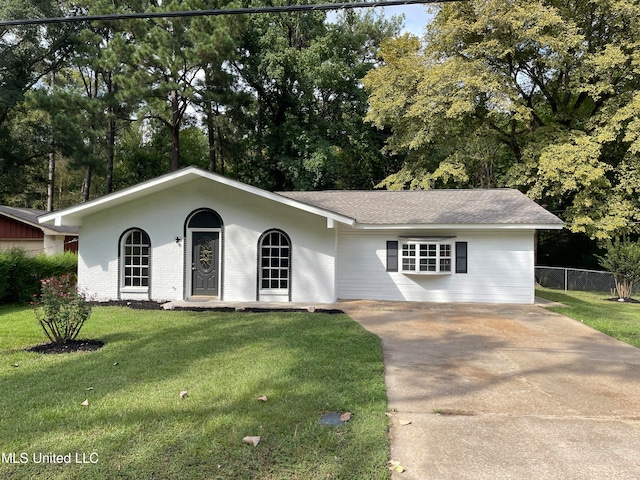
20, 274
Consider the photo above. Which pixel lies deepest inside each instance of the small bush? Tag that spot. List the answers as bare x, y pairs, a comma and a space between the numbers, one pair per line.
20, 274
623, 261
60, 309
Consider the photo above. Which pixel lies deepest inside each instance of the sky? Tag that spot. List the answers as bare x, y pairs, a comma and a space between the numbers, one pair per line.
416, 17
415, 21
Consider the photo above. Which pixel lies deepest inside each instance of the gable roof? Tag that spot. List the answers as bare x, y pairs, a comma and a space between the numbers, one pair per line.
500, 208
429, 207
74, 215
29, 216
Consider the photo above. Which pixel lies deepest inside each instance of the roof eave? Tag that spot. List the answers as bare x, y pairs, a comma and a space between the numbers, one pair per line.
460, 226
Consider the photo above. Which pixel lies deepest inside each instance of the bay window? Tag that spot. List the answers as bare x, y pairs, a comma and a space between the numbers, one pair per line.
426, 256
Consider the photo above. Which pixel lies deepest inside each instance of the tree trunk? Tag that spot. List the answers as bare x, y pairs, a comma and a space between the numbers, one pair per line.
52, 158
51, 179
111, 136
86, 185
111, 145
211, 132
220, 150
624, 286
175, 132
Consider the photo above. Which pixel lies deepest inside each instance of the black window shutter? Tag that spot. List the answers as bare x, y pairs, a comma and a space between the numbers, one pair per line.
392, 256
461, 257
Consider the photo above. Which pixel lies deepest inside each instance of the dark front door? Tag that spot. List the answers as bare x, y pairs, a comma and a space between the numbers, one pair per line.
205, 263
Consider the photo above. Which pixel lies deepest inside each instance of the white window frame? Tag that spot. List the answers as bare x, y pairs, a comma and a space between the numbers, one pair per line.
270, 289
124, 265
426, 256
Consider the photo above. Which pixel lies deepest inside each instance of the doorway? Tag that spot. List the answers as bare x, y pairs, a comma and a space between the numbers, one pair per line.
203, 254
205, 263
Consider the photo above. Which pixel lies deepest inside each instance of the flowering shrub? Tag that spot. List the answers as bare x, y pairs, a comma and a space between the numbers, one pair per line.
60, 309
623, 260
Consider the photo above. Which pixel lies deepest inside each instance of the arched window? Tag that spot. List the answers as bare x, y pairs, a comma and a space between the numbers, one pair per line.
274, 260
135, 259
204, 218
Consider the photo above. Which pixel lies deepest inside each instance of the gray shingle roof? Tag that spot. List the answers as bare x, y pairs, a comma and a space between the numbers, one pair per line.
458, 207
30, 217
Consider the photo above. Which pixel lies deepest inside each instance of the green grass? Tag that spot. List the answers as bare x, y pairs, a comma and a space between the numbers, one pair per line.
136, 423
616, 319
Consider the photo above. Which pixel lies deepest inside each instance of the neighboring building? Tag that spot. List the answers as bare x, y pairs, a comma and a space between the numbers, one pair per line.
194, 234
19, 227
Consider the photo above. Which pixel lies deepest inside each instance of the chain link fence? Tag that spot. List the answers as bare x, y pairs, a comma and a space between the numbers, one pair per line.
575, 279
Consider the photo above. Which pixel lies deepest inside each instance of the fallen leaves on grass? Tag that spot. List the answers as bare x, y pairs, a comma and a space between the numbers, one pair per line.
345, 417
85, 403
262, 398
183, 394
252, 440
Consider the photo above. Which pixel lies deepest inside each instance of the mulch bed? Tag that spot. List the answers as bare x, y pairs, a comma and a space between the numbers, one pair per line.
134, 304
73, 346
626, 300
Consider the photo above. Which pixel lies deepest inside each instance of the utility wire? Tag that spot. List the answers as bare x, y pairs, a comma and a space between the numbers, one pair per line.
217, 12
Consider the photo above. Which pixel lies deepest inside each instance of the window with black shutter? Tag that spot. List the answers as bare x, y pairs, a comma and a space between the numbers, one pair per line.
461, 257
392, 256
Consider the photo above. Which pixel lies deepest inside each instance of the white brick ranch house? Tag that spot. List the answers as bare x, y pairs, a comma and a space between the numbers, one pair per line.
194, 234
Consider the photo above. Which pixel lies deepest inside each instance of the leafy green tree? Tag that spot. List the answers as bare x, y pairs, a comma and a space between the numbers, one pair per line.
194, 147
165, 61
302, 74
47, 122
27, 55
98, 67
622, 259
141, 154
278, 96
218, 97
541, 95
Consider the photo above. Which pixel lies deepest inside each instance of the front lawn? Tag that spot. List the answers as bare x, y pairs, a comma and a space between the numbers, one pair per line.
137, 426
617, 319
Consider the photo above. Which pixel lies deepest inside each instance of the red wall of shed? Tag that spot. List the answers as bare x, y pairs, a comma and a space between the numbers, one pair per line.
10, 229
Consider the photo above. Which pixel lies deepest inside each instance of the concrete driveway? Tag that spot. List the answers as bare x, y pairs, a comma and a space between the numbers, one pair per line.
522, 393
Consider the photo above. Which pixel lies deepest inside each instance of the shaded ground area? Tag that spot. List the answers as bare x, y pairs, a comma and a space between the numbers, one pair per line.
505, 392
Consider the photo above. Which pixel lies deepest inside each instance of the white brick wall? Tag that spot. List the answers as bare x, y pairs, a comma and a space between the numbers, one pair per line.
245, 217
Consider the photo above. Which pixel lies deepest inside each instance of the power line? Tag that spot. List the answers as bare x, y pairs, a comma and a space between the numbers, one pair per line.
218, 12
